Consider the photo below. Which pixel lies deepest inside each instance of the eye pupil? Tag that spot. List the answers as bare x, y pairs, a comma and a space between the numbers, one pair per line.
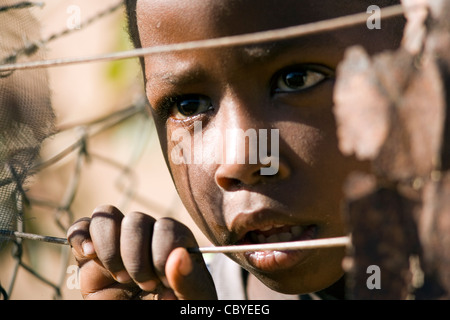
188, 107
295, 79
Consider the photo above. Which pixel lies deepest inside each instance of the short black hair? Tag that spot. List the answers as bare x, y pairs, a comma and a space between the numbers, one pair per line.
133, 31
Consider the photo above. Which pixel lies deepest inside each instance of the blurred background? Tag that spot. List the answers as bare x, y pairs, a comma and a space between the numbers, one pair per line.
106, 149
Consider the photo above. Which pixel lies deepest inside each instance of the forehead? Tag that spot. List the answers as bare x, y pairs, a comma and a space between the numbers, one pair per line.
176, 20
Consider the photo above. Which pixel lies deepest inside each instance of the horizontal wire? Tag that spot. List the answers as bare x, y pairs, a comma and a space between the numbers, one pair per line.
251, 38
31, 236
280, 246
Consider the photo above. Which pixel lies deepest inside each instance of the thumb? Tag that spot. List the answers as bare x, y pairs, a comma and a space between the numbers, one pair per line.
188, 276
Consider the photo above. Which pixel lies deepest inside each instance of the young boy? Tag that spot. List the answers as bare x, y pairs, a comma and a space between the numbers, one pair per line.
205, 94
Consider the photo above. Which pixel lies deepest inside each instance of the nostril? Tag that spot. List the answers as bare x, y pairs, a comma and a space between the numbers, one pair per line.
232, 177
229, 184
235, 177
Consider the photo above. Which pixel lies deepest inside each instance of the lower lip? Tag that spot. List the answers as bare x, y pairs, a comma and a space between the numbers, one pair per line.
275, 260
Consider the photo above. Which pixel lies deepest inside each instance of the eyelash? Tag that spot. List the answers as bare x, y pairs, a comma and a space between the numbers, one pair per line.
165, 108
320, 71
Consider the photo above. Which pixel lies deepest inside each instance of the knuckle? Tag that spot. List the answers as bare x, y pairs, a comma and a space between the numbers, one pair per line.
135, 245
136, 222
168, 234
105, 209
105, 235
78, 231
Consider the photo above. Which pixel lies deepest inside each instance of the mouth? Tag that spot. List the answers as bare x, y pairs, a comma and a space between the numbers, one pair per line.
275, 260
279, 233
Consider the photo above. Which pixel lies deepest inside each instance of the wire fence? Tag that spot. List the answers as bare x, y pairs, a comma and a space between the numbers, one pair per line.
62, 211
78, 162
57, 188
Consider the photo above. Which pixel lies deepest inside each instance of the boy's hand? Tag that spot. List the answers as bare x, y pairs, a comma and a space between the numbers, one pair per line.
137, 257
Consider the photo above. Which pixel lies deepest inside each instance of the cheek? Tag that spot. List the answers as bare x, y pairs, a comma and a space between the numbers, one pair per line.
319, 168
311, 132
310, 141
196, 186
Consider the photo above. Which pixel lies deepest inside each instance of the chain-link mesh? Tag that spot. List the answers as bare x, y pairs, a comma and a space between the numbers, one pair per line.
45, 164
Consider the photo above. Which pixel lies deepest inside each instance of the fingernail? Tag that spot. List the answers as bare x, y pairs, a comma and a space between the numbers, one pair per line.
122, 276
88, 248
185, 266
149, 285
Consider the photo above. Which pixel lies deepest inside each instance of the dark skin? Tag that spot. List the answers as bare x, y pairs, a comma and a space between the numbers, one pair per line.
286, 85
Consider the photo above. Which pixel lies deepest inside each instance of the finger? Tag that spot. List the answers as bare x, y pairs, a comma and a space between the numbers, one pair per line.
80, 241
168, 234
186, 275
105, 234
189, 277
92, 276
135, 247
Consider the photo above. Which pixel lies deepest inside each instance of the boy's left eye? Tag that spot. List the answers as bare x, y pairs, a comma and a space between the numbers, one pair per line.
297, 79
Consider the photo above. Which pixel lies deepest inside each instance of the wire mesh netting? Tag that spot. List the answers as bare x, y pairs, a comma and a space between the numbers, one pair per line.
64, 131
75, 137
26, 117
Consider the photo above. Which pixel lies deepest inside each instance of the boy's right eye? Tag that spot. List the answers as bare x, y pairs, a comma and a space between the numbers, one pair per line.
186, 106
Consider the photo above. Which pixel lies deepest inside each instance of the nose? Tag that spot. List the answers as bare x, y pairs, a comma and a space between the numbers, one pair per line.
251, 150
232, 177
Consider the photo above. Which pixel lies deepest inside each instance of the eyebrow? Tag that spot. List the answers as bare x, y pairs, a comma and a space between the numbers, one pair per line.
264, 52
184, 76
248, 54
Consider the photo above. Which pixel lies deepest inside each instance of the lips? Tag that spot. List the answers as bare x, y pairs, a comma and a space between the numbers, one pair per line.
276, 260
272, 227
280, 233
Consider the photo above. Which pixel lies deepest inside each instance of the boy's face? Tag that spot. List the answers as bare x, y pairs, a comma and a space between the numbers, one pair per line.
196, 96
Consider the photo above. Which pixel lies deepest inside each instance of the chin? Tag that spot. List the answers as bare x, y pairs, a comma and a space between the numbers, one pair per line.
319, 273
